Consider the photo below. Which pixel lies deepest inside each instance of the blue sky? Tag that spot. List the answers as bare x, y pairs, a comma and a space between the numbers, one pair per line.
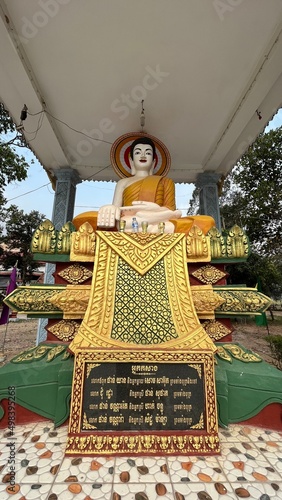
36, 193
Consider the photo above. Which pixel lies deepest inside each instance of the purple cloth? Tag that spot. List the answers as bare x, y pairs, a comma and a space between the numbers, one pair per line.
12, 285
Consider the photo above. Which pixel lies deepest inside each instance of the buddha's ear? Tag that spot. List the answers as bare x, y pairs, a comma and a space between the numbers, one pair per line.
133, 169
152, 167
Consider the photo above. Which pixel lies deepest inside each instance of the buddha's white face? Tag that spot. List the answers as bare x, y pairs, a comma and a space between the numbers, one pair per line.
143, 157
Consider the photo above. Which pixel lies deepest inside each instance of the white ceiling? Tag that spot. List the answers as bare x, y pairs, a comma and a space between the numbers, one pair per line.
203, 67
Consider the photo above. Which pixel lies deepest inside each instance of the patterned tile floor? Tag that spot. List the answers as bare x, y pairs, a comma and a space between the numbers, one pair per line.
250, 466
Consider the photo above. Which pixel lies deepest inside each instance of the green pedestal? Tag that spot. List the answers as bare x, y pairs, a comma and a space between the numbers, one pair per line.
44, 386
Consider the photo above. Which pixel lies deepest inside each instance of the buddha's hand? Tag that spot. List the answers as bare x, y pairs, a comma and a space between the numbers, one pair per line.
152, 212
108, 215
149, 206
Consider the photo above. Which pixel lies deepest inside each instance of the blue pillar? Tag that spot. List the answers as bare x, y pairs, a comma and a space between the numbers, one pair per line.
207, 183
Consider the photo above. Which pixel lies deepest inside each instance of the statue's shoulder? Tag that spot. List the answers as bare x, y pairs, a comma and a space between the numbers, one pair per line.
124, 182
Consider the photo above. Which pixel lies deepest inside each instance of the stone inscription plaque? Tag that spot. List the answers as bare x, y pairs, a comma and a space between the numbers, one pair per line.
143, 397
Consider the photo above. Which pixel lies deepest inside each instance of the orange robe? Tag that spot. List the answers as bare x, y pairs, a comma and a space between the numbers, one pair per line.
160, 190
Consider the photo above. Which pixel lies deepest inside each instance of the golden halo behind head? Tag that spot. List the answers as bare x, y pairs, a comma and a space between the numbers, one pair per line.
120, 152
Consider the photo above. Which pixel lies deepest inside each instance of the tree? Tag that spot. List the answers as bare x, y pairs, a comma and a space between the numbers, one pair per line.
252, 196
19, 228
12, 166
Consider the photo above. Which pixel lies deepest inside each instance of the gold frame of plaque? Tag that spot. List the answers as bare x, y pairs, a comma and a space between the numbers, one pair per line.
198, 436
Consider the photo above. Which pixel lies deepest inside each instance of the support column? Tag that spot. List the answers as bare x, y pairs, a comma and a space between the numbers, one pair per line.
63, 209
208, 196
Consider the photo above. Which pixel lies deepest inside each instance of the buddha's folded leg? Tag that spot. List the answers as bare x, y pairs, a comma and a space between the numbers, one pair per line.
90, 217
183, 225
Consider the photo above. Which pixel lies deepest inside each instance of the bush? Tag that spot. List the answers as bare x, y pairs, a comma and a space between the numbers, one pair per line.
275, 342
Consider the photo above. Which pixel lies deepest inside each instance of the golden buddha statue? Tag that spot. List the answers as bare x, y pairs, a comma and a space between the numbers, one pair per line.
146, 197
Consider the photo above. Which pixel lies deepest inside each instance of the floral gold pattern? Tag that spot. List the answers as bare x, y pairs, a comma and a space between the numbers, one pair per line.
216, 330
64, 238
72, 300
75, 274
200, 424
208, 274
37, 353
35, 299
141, 251
241, 354
223, 354
65, 330
206, 301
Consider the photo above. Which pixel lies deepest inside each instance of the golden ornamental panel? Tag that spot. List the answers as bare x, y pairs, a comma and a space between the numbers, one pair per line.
83, 244
35, 299
73, 301
242, 354
96, 327
65, 330
217, 243
242, 301
208, 274
206, 301
64, 238
216, 330
140, 251
237, 243
44, 238
75, 274
197, 246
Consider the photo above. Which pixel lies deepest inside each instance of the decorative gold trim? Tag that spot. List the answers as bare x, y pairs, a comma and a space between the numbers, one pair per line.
218, 247
175, 444
200, 424
39, 352
64, 238
73, 301
86, 424
223, 354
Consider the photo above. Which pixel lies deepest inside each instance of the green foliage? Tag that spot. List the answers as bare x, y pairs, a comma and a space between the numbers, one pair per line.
12, 166
266, 270
275, 342
6, 122
19, 228
254, 191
